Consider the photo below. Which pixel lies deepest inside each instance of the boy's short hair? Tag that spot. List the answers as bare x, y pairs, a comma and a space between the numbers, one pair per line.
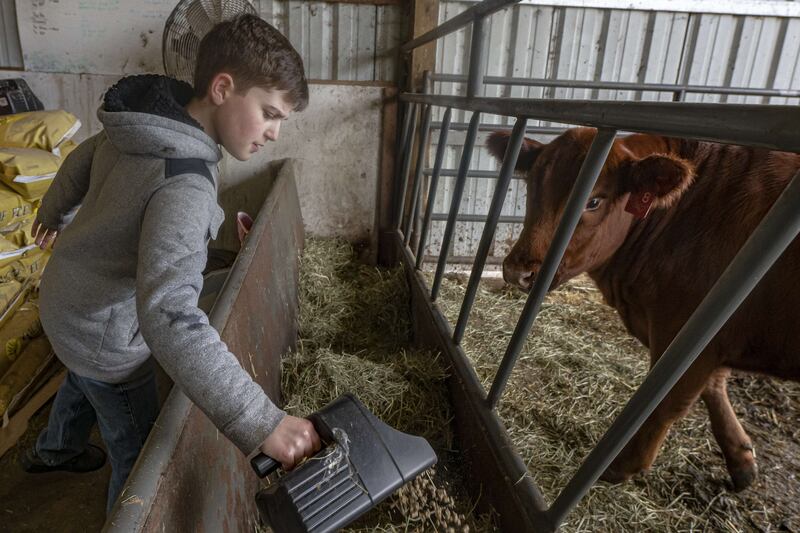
255, 54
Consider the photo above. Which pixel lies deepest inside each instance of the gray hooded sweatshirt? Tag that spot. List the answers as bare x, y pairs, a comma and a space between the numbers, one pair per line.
126, 273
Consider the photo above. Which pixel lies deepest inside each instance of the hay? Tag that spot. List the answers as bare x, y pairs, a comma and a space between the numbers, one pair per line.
577, 369
354, 337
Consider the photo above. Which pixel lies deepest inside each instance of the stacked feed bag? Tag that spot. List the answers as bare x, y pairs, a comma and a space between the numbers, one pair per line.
32, 147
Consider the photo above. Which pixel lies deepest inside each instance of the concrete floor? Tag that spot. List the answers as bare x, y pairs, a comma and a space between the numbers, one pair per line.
56, 501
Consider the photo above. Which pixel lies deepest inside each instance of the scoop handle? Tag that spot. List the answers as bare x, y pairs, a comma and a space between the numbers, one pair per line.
264, 465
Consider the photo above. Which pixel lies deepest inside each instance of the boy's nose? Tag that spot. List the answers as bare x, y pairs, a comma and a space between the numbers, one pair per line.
272, 131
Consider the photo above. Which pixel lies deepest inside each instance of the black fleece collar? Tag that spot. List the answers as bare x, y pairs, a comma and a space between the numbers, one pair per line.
153, 94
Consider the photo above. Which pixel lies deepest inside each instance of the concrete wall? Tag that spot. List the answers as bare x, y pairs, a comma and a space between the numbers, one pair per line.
336, 141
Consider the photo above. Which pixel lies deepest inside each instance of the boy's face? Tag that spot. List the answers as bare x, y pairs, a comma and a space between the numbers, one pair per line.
243, 123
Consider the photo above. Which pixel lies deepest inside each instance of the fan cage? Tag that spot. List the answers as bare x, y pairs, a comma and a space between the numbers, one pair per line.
185, 28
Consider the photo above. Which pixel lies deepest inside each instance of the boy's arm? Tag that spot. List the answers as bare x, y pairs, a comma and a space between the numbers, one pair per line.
172, 255
69, 186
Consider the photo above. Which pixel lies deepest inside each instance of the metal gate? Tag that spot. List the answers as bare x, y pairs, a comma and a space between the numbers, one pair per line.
482, 435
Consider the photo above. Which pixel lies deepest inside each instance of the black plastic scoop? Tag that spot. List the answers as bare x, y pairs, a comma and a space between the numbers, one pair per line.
363, 462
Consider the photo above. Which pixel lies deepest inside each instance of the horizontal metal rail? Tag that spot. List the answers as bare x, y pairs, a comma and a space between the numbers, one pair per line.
478, 11
478, 218
767, 126
541, 130
619, 86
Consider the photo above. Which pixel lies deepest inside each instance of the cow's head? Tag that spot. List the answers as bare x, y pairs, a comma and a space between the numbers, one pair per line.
637, 167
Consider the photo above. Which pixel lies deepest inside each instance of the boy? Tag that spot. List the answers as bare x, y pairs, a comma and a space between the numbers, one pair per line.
124, 280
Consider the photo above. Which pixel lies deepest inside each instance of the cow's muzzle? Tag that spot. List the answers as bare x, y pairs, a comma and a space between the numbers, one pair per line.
521, 276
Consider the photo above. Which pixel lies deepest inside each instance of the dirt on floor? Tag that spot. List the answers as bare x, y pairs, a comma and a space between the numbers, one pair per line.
60, 502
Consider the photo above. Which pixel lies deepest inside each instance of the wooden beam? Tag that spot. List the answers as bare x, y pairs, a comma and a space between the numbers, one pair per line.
424, 17
383, 240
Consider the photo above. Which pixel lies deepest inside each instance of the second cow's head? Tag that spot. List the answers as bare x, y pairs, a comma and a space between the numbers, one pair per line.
635, 166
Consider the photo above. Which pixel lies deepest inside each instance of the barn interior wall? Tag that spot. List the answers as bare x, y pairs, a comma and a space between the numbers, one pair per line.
73, 51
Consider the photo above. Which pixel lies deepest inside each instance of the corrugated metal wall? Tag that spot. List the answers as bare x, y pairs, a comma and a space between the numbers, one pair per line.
580, 43
338, 41
352, 42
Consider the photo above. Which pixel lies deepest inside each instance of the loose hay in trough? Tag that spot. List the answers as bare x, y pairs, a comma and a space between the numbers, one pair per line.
578, 368
354, 337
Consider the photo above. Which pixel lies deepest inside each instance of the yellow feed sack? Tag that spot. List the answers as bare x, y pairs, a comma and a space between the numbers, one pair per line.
17, 333
31, 264
28, 171
8, 292
21, 235
14, 209
65, 149
10, 251
45, 130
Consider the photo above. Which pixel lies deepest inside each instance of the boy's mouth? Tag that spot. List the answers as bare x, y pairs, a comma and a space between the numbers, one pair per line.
255, 147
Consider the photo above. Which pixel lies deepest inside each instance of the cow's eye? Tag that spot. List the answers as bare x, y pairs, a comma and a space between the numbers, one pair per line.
593, 204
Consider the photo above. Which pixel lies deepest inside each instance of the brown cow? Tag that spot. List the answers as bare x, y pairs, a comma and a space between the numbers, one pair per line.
655, 269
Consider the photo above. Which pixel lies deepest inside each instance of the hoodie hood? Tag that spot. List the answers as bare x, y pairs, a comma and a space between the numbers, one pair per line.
146, 115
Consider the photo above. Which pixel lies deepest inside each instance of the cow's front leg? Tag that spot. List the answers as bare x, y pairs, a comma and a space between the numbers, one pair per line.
640, 452
740, 457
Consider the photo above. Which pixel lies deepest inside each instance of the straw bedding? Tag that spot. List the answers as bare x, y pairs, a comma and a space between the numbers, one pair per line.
578, 368
354, 336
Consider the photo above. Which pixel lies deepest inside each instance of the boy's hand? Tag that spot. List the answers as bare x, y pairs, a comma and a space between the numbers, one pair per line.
293, 439
41, 235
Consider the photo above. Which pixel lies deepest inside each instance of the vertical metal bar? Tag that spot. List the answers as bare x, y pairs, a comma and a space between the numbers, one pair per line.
477, 65
500, 191
776, 231
441, 147
455, 202
402, 177
425, 133
590, 170
477, 57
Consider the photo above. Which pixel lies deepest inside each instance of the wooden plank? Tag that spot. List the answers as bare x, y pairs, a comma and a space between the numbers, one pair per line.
425, 17
382, 241
18, 422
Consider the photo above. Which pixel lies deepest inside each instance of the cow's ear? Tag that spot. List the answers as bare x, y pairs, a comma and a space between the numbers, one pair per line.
498, 142
661, 177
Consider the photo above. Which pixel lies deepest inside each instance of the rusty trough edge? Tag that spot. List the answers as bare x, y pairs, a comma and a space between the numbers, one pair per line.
502, 478
146, 476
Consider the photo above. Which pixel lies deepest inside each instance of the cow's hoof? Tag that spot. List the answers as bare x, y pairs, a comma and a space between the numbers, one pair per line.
744, 477
612, 475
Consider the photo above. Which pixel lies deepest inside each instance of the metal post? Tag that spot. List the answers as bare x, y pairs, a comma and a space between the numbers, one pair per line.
776, 231
477, 58
402, 177
441, 146
590, 170
455, 202
427, 87
477, 65
500, 190
423, 143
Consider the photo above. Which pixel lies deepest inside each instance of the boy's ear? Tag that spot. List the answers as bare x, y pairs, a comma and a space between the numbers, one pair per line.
659, 178
221, 87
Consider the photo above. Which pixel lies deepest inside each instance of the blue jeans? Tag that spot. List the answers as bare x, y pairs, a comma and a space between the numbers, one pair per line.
124, 412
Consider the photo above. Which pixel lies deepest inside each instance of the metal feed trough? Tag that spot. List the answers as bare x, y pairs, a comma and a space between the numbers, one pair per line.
503, 478
188, 476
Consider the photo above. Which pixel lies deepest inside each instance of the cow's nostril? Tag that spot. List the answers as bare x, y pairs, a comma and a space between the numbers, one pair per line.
526, 280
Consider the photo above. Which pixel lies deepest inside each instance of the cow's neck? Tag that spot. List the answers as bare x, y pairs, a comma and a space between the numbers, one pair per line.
632, 279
